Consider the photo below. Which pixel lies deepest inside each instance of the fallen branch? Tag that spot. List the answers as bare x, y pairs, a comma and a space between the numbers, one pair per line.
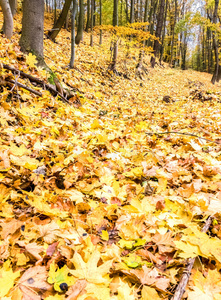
180, 289
182, 133
24, 87
37, 80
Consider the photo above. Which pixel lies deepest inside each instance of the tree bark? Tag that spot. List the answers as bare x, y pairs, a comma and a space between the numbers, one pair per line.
92, 23
8, 18
164, 32
100, 40
158, 32
33, 28
115, 46
60, 21
79, 36
132, 11
55, 11
217, 73
73, 33
13, 5
88, 16
173, 34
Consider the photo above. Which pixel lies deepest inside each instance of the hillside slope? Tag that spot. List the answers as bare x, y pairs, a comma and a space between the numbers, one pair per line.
105, 197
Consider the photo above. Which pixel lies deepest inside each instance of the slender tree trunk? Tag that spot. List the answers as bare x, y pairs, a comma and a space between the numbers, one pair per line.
173, 34
100, 41
164, 32
146, 11
55, 11
216, 74
158, 32
88, 16
203, 51
8, 18
208, 49
33, 28
126, 11
94, 3
115, 46
60, 21
139, 66
92, 23
80, 29
13, 4
153, 6
73, 34
132, 11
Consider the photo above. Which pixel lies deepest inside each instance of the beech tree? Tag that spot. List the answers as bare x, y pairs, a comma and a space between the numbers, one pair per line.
80, 27
8, 18
33, 28
73, 15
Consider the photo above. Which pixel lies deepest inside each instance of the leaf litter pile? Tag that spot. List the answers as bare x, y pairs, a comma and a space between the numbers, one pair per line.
105, 197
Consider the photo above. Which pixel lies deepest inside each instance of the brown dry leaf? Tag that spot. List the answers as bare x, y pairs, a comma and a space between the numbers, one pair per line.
34, 280
33, 248
76, 289
10, 227
151, 277
164, 242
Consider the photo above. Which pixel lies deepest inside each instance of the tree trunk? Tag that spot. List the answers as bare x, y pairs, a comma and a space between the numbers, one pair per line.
94, 3
55, 11
13, 5
216, 74
146, 11
60, 21
88, 16
92, 23
126, 11
158, 32
115, 46
33, 28
173, 34
100, 41
164, 32
132, 11
79, 36
8, 18
73, 33
153, 6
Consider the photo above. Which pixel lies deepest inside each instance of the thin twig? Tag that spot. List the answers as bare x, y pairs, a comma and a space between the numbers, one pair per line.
182, 133
180, 289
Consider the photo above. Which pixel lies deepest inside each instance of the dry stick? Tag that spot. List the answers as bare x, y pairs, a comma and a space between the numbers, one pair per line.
24, 87
183, 133
37, 80
180, 289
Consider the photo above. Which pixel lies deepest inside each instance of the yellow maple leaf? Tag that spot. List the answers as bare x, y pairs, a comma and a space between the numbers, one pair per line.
7, 279
205, 287
31, 60
90, 271
125, 292
149, 293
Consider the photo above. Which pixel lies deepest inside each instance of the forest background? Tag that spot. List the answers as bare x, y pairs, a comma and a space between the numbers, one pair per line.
110, 150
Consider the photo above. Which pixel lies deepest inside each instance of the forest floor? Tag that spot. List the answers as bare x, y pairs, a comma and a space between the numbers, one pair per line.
106, 197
